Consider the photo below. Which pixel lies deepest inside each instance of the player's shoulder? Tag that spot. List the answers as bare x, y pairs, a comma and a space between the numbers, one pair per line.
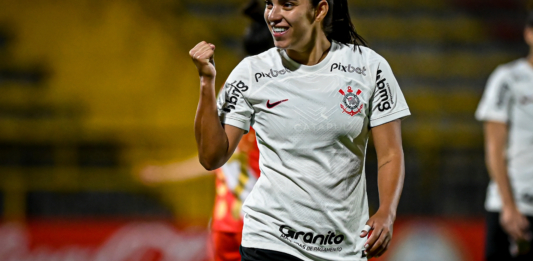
266, 57
252, 63
359, 52
511, 67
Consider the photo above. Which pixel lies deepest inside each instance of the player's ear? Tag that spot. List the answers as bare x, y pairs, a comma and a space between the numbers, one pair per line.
321, 10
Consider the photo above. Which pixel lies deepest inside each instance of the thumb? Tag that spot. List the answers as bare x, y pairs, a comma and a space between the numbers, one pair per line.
212, 59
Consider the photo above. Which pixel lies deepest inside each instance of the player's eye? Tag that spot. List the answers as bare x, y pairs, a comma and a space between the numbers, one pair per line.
268, 4
288, 4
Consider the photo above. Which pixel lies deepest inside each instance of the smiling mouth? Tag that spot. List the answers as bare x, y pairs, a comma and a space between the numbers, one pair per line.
279, 30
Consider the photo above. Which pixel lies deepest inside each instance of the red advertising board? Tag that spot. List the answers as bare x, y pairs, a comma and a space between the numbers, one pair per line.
414, 239
101, 241
89, 240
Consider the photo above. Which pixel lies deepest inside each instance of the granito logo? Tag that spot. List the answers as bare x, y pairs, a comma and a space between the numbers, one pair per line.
234, 90
349, 68
272, 74
288, 232
384, 93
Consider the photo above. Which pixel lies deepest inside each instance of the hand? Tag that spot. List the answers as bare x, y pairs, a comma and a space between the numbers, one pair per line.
203, 56
381, 225
515, 223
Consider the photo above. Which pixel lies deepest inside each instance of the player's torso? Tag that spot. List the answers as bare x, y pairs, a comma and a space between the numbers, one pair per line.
520, 84
312, 124
312, 127
521, 87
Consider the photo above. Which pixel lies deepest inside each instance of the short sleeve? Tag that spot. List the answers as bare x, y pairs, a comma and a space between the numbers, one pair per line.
496, 100
387, 102
232, 104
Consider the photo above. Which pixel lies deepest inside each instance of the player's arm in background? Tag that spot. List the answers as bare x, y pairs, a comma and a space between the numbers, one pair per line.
391, 173
216, 142
512, 221
173, 172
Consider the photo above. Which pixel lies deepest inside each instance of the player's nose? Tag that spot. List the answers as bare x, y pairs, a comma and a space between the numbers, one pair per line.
274, 15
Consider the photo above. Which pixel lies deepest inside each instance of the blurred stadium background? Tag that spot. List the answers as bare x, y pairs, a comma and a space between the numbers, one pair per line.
92, 90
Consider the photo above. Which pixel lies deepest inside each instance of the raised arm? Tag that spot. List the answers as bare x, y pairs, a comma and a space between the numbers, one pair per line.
215, 141
512, 221
391, 172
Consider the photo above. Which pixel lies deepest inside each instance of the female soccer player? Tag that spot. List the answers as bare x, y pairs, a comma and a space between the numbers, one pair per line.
312, 100
507, 112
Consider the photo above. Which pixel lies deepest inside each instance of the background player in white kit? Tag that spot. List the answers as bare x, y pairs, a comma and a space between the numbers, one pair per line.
507, 112
313, 101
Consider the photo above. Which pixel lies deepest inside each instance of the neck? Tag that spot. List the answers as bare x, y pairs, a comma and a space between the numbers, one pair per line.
313, 53
530, 57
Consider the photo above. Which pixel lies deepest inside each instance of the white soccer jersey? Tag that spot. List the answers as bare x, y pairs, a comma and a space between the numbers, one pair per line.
312, 125
508, 98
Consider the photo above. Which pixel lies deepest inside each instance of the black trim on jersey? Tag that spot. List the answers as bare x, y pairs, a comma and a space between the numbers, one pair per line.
504, 89
257, 254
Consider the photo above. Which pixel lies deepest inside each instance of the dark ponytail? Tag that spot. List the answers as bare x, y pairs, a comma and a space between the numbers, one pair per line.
338, 24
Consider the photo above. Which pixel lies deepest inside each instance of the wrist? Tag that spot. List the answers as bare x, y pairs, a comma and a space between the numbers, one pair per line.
207, 79
207, 85
391, 214
509, 207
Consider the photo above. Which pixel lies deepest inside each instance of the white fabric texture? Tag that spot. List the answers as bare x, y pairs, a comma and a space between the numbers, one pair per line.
508, 98
312, 125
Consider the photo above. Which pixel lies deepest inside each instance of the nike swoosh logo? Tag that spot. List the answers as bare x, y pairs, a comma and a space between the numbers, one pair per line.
272, 105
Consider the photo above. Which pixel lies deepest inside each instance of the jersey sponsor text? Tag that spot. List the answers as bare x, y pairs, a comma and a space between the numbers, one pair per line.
384, 93
235, 90
272, 74
349, 68
309, 237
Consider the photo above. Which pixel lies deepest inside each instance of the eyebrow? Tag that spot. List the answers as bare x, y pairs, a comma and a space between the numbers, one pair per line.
285, 1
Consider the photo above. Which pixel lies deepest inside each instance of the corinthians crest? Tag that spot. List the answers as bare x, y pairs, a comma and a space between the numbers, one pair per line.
351, 104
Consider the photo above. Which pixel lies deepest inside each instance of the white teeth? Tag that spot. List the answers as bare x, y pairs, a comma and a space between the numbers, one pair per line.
279, 29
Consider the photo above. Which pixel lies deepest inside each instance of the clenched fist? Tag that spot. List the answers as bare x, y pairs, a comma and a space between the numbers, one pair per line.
203, 55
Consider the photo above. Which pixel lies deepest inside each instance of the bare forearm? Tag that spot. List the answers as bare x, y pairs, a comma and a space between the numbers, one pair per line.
495, 146
391, 173
211, 139
497, 168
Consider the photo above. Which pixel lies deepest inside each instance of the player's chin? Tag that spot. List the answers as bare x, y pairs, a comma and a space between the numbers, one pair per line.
282, 44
